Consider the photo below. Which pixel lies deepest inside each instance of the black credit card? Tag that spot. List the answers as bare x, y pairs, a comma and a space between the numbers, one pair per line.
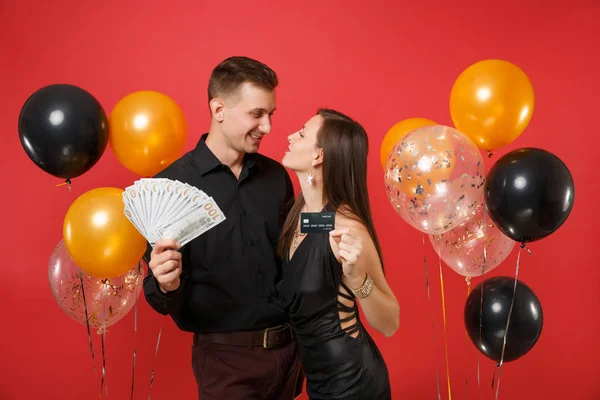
317, 222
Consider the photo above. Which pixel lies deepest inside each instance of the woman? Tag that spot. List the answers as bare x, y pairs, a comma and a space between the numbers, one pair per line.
326, 274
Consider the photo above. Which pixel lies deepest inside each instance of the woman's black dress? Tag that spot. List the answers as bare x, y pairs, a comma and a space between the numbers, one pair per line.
337, 365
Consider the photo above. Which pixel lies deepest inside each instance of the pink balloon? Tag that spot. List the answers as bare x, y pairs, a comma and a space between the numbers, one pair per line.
111, 298
462, 247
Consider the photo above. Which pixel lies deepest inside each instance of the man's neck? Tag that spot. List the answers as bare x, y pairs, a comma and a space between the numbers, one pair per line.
220, 147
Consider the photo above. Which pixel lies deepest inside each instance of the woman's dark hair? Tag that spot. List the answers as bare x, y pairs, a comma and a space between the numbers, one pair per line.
345, 147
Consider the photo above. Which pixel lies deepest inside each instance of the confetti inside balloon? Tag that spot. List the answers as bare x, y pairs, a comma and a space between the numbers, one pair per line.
105, 298
434, 178
397, 132
475, 247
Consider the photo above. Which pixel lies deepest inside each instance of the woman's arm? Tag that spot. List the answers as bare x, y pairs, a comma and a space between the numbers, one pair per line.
355, 249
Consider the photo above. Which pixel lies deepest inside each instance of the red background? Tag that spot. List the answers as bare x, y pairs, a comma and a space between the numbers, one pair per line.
378, 61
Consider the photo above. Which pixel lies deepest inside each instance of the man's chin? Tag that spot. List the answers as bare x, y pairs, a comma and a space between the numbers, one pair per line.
251, 146
251, 149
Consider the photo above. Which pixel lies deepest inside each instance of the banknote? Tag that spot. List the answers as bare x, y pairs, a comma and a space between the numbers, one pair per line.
160, 207
194, 224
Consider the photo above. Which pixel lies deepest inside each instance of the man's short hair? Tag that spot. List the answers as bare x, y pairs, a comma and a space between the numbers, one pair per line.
233, 72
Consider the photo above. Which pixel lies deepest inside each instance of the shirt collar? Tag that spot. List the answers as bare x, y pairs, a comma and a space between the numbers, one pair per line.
207, 161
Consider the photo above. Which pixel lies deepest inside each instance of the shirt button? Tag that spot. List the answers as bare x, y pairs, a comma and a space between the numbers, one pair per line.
245, 213
252, 242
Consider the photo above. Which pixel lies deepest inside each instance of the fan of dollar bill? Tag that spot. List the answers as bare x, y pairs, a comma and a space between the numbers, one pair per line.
165, 208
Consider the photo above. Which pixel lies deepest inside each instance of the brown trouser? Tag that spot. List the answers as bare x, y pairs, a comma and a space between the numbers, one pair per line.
251, 372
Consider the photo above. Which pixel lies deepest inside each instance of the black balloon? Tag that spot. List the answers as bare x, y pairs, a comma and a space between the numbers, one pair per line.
525, 322
529, 194
63, 129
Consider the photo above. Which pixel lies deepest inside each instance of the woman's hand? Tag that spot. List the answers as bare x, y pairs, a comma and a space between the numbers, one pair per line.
350, 249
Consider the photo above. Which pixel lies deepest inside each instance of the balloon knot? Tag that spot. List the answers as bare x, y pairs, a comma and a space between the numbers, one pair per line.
101, 330
525, 247
490, 154
66, 182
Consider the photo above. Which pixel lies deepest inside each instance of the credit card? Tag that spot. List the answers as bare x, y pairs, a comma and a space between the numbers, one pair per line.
317, 222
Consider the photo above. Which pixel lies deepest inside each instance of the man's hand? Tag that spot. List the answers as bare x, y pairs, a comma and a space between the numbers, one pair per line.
165, 263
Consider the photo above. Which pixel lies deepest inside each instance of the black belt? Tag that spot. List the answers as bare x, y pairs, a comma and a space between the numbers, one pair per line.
269, 338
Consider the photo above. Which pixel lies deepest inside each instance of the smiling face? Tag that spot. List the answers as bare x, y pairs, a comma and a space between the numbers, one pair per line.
245, 116
303, 153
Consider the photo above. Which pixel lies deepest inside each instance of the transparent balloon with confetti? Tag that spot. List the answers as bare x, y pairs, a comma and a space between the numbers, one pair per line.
78, 293
475, 247
434, 178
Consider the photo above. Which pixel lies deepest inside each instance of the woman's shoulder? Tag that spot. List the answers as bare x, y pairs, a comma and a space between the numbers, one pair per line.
345, 218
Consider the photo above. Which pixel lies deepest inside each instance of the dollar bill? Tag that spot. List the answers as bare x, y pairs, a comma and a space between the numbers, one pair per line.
160, 207
191, 201
184, 201
189, 227
132, 210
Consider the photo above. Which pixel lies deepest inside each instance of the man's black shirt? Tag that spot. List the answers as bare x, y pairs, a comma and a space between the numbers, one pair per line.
229, 271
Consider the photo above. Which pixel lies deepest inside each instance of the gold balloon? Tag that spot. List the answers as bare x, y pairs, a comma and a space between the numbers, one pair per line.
98, 235
397, 132
148, 132
492, 103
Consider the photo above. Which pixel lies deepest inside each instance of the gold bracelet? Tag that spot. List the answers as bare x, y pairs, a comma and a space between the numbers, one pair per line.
365, 289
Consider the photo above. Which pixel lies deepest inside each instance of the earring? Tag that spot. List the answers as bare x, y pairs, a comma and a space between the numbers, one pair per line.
309, 178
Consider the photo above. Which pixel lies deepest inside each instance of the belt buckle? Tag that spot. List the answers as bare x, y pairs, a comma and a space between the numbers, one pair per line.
266, 335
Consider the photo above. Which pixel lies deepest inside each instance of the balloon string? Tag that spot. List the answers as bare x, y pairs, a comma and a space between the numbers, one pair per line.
103, 384
134, 334
445, 333
512, 302
154, 361
494, 375
437, 377
468, 280
87, 325
481, 299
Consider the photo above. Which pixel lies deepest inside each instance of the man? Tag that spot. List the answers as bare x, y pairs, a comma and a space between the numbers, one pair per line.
218, 286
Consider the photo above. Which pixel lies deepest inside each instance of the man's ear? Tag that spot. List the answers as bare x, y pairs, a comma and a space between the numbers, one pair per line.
216, 109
